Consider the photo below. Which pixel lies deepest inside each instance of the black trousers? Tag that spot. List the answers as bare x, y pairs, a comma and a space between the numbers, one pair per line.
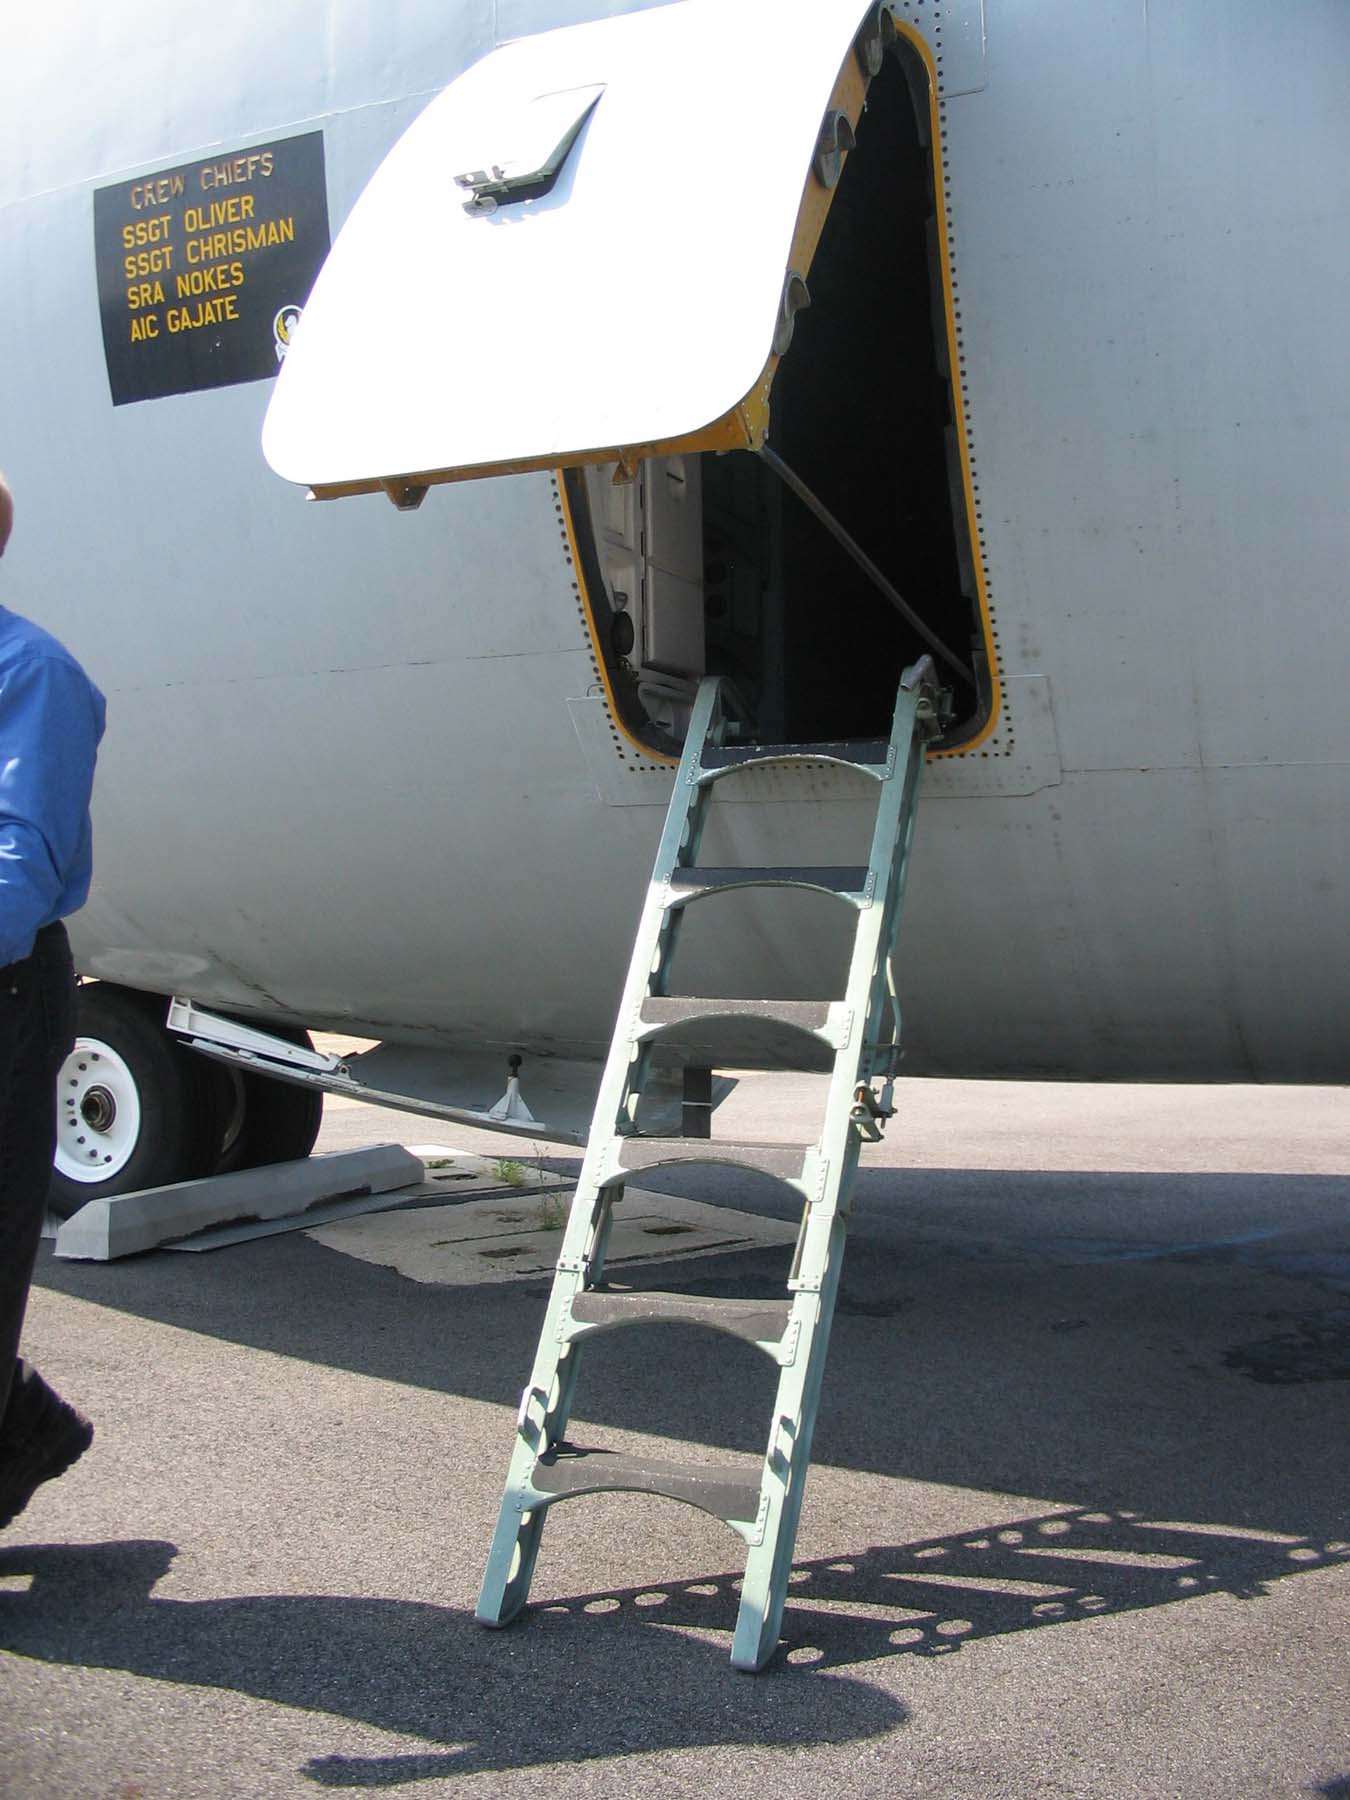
37, 1029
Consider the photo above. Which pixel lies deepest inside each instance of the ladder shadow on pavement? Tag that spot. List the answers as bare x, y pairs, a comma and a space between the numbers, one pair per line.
477, 1701
929, 1597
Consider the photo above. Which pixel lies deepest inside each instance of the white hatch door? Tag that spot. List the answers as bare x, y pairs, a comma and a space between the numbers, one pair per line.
587, 248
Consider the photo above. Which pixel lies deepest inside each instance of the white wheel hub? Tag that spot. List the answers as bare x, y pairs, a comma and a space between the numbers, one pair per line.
98, 1113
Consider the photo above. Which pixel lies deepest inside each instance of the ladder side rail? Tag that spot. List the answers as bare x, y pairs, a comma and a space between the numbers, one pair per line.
545, 1408
898, 795
680, 836
820, 1248
873, 941
546, 1403
893, 902
759, 1618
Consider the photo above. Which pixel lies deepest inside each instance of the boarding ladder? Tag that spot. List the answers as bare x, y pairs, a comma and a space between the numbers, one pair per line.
794, 1331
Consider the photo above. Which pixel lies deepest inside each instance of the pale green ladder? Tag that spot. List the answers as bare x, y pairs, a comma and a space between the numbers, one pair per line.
793, 1332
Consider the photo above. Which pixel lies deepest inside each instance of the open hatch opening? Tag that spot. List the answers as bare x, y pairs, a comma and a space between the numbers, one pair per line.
708, 563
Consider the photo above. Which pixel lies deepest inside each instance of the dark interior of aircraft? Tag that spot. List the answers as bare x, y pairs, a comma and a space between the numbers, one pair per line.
862, 413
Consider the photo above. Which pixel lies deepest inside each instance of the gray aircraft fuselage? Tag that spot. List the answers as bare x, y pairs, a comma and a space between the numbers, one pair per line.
359, 770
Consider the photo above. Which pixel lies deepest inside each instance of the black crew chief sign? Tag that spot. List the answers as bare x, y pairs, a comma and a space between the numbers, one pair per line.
203, 269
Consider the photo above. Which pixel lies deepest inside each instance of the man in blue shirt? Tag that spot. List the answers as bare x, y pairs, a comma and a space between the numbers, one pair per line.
51, 720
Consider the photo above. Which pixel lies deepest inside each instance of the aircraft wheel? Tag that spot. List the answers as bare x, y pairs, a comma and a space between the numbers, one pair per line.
132, 1110
263, 1121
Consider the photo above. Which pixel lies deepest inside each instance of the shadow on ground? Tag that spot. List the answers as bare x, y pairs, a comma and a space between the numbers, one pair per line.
930, 1597
538, 1694
428, 1672
1175, 1345
1159, 1360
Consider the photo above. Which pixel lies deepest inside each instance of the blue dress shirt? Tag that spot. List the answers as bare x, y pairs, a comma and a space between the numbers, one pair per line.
51, 720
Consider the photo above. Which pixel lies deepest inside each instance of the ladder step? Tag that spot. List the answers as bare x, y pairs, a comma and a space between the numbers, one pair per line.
689, 884
757, 1321
722, 1490
786, 1161
871, 755
676, 1009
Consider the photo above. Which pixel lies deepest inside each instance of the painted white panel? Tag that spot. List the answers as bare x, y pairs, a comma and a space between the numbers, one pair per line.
340, 775
122, 87
1152, 276
437, 338
522, 18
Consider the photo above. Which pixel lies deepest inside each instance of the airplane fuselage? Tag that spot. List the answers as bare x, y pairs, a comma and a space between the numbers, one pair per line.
361, 770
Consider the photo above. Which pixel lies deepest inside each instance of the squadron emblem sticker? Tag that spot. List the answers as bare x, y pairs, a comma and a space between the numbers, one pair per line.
202, 269
282, 327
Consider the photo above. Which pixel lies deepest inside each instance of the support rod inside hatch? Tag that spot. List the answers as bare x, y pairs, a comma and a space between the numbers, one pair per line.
816, 505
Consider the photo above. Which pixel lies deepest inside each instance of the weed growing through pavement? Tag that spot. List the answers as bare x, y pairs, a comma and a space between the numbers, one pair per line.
552, 1213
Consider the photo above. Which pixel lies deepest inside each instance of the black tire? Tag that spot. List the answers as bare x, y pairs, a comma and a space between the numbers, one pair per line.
178, 1118
263, 1121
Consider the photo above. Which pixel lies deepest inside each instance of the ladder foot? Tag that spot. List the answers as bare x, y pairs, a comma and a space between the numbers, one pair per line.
756, 1637
492, 1622
510, 1568
496, 1610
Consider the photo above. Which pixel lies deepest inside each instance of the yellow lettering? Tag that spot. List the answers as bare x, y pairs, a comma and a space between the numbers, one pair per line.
206, 312
216, 280
148, 262
220, 212
146, 231
235, 173
145, 293
155, 193
210, 245
141, 329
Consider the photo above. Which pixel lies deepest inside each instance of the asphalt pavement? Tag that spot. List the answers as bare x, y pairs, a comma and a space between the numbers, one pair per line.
1078, 1523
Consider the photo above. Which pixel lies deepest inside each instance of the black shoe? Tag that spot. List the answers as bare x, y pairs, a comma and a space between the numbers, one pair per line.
60, 1439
